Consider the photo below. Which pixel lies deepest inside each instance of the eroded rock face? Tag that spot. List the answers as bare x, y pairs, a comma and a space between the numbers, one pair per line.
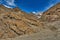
14, 22
52, 14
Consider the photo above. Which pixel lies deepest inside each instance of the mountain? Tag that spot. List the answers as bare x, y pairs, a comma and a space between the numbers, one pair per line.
8, 3
51, 18
52, 14
14, 22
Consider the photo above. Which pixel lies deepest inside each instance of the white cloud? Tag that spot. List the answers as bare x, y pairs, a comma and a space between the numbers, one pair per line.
10, 2
33, 12
7, 6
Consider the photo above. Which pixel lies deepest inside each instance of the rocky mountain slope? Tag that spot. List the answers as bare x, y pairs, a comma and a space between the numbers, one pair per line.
14, 22
18, 25
52, 14
51, 17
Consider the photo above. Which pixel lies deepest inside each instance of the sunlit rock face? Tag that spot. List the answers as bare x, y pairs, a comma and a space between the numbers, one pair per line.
14, 22
52, 14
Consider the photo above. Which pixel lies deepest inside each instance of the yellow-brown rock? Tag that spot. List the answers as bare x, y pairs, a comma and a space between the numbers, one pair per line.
52, 14
14, 22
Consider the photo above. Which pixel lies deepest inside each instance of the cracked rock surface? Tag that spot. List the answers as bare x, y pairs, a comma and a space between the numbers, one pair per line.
17, 25
14, 22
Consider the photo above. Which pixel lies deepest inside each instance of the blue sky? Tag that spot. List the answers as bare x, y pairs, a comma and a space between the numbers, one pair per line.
30, 5
35, 5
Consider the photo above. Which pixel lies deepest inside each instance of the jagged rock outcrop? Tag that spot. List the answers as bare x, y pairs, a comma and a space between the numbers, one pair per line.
51, 19
14, 22
52, 14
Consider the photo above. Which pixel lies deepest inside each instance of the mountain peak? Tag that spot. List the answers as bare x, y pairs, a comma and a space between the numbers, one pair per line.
52, 14
16, 9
